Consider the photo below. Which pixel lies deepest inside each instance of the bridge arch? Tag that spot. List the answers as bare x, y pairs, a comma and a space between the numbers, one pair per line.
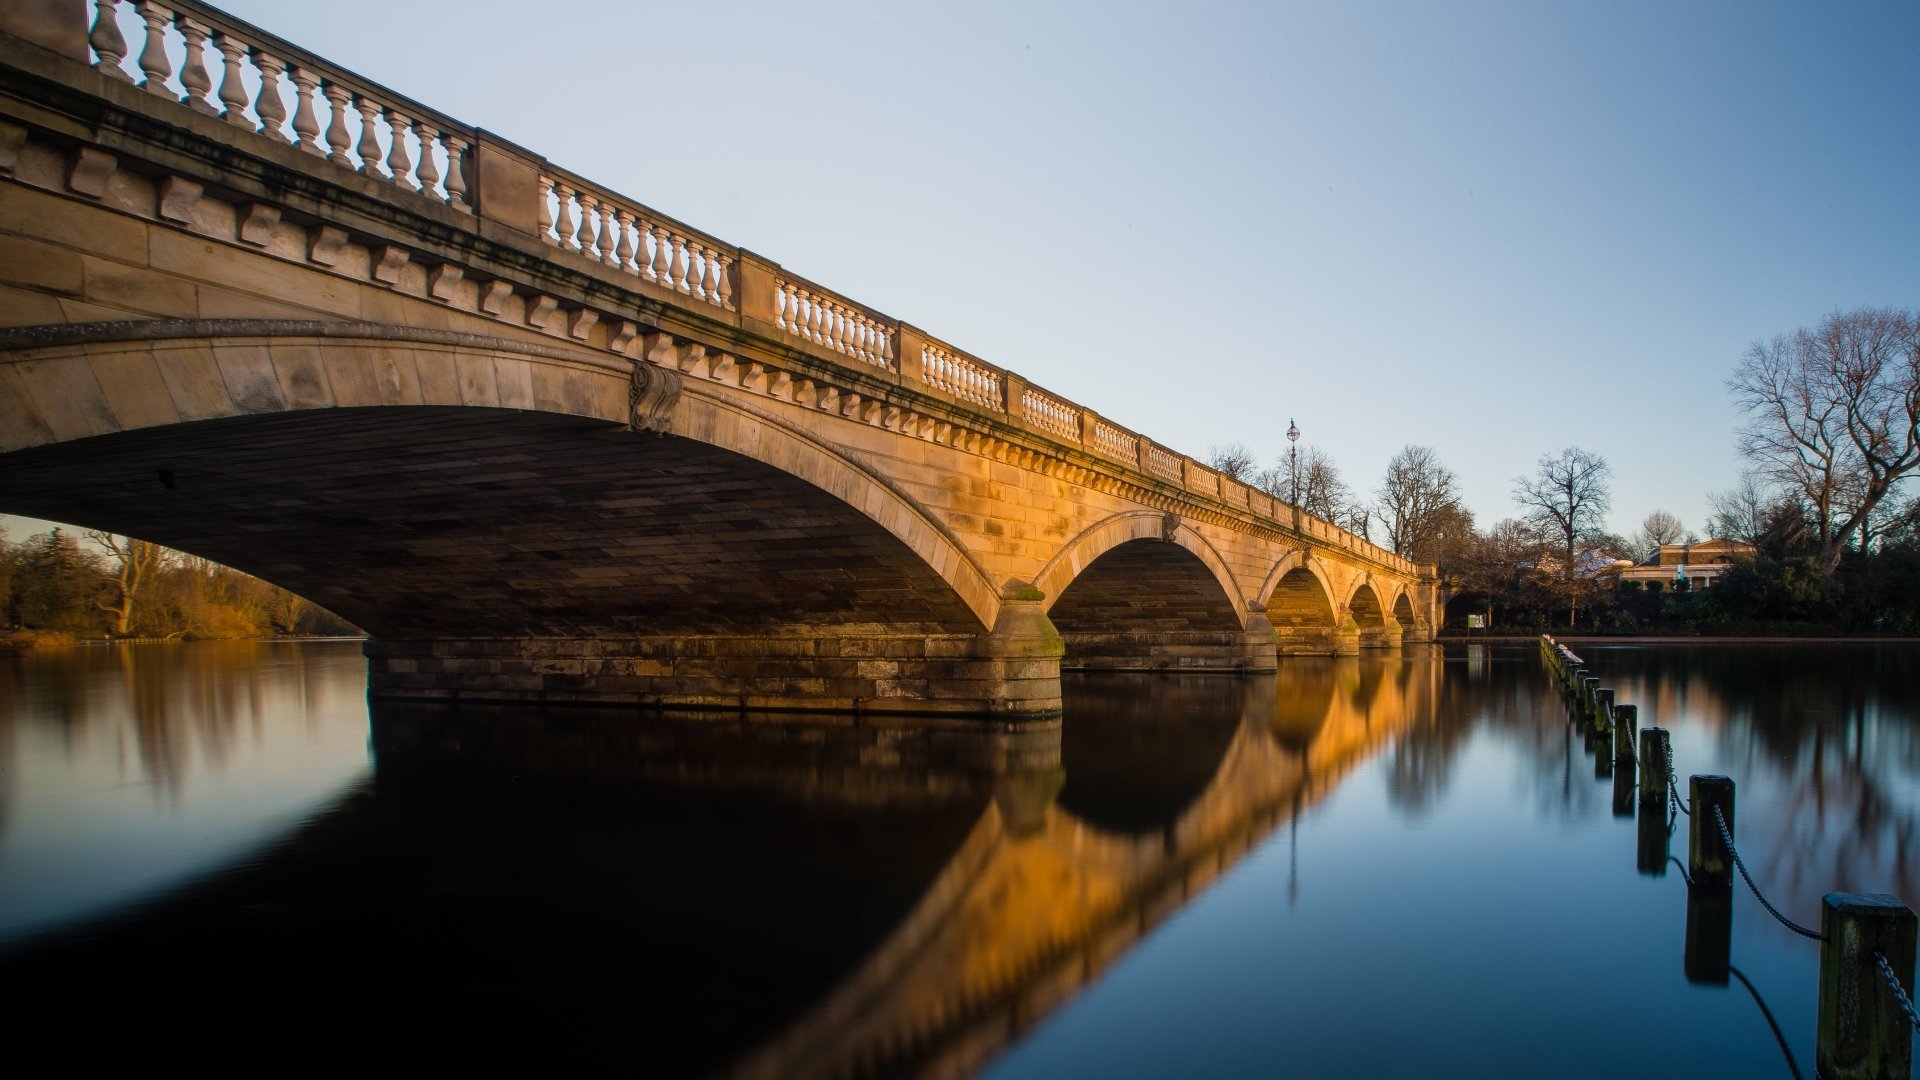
1143, 591
414, 481
1403, 608
1299, 602
1085, 549
1364, 605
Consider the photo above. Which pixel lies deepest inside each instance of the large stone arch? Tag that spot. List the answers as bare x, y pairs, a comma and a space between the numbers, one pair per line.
1143, 591
1292, 565
1098, 539
874, 593
103, 378
1300, 603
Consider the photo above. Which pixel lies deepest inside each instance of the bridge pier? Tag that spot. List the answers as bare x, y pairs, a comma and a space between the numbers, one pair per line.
1012, 672
1307, 641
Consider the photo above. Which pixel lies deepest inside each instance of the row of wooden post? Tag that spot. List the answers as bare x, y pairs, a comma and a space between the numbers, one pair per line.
1862, 1032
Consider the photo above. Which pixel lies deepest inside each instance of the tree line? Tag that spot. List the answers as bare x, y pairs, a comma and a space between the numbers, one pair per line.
1830, 441
59, 585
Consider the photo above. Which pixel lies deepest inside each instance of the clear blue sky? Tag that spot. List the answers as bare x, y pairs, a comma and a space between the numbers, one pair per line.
1494, 228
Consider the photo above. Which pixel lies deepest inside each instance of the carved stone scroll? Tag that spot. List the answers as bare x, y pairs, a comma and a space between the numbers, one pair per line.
651, 398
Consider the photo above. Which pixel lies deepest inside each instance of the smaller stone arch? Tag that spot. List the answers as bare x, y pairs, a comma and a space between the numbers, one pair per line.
1109, 533
1299, 603
1364, 605
1143, 591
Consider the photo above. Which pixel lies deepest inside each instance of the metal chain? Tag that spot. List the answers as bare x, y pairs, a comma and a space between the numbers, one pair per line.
1893, 983
1727, 836
1673, 789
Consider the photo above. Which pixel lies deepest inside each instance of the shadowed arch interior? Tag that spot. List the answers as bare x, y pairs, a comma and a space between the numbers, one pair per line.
1146, 604
1299, 601
1365, 607
435, 521
1403, 609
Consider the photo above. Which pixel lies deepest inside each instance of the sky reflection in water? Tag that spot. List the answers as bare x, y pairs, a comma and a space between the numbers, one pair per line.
1394, 866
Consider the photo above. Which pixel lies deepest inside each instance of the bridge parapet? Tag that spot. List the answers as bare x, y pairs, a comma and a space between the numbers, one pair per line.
274, 91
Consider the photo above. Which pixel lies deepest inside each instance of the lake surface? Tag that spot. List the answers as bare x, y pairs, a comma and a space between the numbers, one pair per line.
1401, 865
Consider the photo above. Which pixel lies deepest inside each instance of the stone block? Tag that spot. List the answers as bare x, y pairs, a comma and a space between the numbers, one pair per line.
71, 224
134, 388
37, 266
23, 307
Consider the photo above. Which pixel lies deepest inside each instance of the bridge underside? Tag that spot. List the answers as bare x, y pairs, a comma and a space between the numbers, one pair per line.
507, 555
1150, 605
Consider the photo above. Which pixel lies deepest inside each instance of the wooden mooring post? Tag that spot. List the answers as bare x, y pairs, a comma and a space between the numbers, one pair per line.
1656, 762
1603, 708
1622, 722
1863, 1033
1709, 945
1708, 860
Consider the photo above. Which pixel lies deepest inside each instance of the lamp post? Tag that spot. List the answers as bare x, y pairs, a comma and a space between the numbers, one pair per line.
1293, 462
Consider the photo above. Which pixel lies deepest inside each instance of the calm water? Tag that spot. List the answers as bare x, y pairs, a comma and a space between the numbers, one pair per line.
1396, 866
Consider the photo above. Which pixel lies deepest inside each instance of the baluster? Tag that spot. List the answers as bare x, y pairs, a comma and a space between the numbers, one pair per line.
726, 282
233, 92
589, 226
306, 124
153, 56
632, 247
107, 41
610, 227
369, 149
338, 138
429, 171
457, 171
193, 73
680, 264
816, 315
843, 329
398, 164
782, 306
710, 283
565, 222
270, 105
657, 269
886, 348
545, 210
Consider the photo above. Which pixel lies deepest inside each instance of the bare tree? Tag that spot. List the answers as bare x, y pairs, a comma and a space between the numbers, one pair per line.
1412, 498
138, 560
1743, 512
1656, 529
1833, 416
1323, 492
1567, 498
1233, 461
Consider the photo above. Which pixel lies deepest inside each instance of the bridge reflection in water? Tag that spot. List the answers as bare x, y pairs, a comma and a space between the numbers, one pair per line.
757, 899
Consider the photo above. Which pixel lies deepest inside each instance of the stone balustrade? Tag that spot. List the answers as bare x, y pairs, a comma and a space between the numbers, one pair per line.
277, 91
961, 375
167, 48
833, 322
578, 216
1049, 413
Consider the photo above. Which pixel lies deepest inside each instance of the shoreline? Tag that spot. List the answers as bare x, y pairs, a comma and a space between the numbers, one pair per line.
1683, 639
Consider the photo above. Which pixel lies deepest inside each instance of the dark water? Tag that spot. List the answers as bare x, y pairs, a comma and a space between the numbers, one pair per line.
1402, 865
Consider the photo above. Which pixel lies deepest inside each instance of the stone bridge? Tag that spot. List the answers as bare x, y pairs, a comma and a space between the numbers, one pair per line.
546, 443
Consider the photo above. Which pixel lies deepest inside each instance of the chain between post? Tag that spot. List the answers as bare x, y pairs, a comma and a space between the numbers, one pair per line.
1727, 836
1893, 984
